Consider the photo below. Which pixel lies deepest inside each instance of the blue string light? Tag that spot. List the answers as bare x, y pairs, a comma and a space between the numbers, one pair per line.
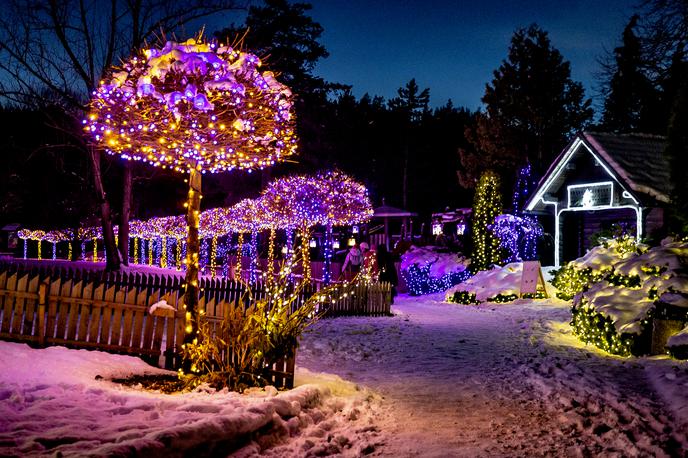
204, 256
253, 256
327, 253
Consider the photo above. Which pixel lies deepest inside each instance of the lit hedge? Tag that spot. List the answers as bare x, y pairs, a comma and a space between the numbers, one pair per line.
595, 328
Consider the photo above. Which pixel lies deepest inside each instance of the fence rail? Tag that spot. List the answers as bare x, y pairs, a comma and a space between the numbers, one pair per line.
48, 303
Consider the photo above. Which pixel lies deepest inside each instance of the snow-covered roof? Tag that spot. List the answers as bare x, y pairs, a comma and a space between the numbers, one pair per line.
637, 158
391, 212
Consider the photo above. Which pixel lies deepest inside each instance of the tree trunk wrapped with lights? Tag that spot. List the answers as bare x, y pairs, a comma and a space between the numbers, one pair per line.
193, 107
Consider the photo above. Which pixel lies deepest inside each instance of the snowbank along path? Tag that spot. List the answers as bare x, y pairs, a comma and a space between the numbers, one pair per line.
501, 380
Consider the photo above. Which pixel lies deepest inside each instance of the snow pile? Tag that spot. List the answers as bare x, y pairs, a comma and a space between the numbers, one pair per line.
679, 340
601, 257
161, 305
487, 284
500, 284
64, 404
440, 263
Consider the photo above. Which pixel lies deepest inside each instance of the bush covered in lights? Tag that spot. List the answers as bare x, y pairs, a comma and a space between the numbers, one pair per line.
518, 237
419, 281
617, 290
430, 269
597, 329
463, 297
597, 264
570, 280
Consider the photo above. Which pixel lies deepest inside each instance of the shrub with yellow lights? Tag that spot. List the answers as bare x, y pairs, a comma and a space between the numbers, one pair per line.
620, 288
597, 329
570, 280
255, 333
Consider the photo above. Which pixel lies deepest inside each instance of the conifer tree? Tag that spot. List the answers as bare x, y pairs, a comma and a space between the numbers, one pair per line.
532, 107
487, 205
631, 102
677, 153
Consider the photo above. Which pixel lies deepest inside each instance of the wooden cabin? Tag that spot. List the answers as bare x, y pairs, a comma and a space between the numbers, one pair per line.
598, 180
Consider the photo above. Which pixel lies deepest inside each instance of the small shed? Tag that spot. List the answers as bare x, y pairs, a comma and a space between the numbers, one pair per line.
8, 238
598, 180
387, 213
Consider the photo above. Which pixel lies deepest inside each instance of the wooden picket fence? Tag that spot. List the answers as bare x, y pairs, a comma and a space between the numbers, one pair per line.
55, 304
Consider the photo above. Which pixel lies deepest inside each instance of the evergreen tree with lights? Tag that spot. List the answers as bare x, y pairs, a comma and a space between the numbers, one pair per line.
487, 205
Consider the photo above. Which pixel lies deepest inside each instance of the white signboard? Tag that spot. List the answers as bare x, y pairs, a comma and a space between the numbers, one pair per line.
532, 279
591, 195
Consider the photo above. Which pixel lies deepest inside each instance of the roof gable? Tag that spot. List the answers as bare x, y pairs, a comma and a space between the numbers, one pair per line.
638, 159
636, 162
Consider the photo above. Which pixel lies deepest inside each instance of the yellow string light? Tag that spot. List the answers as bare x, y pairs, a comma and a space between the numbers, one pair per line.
163, 255
240, 251
213, 255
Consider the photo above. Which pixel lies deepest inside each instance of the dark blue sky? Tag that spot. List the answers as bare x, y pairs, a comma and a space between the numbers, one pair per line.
452, 47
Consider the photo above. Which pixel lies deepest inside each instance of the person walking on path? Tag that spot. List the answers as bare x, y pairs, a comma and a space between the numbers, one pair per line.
370, 269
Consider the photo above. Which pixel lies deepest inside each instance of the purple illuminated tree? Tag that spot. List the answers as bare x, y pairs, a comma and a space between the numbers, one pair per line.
193, 107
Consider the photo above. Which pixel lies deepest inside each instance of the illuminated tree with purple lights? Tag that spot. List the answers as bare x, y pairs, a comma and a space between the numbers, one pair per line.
193, 107
246, 217
345, 202
518, 233
329, 198
290, 201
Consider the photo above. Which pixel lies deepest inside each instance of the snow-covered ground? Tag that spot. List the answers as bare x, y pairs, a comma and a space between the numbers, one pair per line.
435, 379
60, 402
502, 380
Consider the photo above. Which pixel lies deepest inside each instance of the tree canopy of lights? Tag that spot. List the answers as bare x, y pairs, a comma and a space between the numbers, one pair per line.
487, 204
329, 198
194, 107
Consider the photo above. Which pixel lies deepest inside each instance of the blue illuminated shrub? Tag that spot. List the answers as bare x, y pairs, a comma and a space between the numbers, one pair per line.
419, 281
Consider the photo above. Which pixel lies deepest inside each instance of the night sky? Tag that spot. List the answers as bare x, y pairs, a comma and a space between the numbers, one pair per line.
452, 47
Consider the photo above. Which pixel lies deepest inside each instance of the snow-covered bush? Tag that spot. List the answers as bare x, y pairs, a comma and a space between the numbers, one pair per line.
429, 269
578, 275
615, 310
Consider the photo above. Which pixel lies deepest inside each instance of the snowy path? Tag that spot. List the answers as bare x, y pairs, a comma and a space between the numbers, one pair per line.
501, 380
